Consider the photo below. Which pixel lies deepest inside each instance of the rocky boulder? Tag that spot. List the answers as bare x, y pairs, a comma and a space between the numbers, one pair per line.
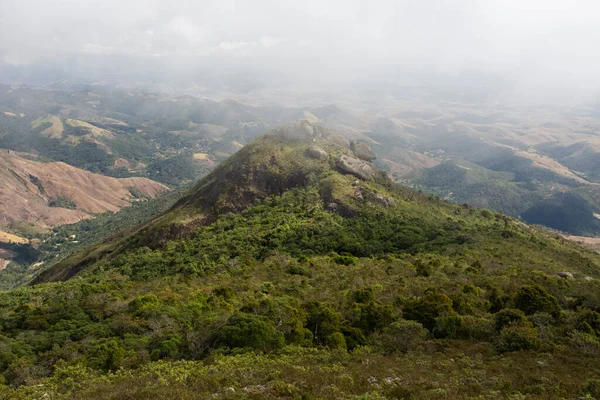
378, 199
362, 150
356, 167
565, 275
339, 139
316, 152
299, 130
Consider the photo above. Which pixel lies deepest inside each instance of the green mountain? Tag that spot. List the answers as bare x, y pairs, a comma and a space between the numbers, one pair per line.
297, 270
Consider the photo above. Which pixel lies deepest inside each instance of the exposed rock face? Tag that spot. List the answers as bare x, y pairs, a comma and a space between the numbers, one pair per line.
300, 130
566, 275
362, 151
378, 199
316, 152
340, 140
356, 167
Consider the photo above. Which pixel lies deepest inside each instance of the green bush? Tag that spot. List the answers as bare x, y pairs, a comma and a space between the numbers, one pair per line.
401, 336
423, 269
584, 342
508, 317
498, 300
142, 302
107, 354
477, 328
249, 330
589, 321
344, 260
225, 292
354, 337
63, 202
427, 308
450, 326
532, 299
517, 338
363, 296
336, 341
591, 389
372, 316
322, 320
169, 348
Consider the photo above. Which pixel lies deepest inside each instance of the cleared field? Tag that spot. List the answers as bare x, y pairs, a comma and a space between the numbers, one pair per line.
55, 131
6, 237
200, 156
94, 130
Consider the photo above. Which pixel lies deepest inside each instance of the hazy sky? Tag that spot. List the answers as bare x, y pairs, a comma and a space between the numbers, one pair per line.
537, 39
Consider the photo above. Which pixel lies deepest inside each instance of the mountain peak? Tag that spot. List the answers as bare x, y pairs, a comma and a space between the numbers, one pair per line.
299, 130
295, 155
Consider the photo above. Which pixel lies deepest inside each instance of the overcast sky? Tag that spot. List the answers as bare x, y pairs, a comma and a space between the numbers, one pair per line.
537, 39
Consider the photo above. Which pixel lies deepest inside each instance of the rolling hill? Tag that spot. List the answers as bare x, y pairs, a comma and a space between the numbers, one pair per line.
36, 196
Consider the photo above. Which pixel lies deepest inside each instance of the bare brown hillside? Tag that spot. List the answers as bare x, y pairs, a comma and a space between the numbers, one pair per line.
29, 187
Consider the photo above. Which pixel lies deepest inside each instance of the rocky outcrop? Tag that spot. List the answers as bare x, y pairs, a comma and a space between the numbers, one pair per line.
566, 275
379, 199
316, 152
356, 167
300, 130
339, 139
362, 150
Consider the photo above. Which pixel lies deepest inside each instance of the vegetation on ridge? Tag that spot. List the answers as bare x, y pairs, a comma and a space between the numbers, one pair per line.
320, 286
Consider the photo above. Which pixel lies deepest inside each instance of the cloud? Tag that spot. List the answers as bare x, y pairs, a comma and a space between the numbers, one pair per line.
553, 39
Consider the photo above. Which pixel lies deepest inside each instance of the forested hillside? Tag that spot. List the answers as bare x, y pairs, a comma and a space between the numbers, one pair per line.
297, 270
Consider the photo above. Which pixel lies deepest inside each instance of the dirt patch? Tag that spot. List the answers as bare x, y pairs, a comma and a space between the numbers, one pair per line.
592, 243
6, 237
200, 156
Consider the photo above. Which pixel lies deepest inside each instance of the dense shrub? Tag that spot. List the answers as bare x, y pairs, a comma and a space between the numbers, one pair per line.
249, 330
344, 260
401, 336
225, 292
142, 302
584, 342
107, 354
364, 296
532, 299
427, 308
591, 389
336, 341
517, 338
508, 317
372, 316
498, 300
354, 337
449, 326
322, 320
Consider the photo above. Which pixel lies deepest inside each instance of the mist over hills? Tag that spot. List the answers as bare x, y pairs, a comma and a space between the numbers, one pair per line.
306, 200
535, 163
